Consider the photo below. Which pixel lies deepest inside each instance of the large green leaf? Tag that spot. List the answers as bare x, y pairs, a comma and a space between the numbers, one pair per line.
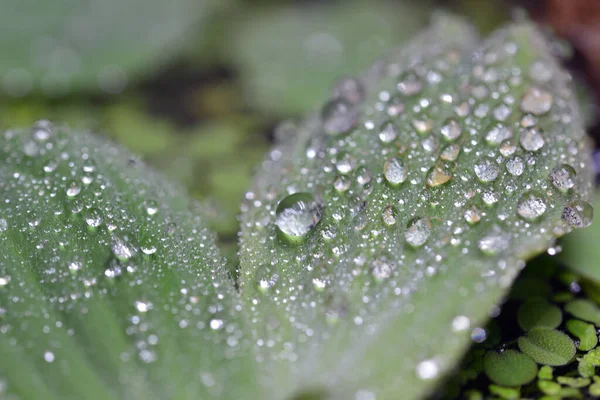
380, 231
63, 45
289, 55
110, 285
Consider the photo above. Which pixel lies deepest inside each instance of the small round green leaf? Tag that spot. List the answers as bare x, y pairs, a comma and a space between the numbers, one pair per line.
509, 368
585, 310
538, 313
588, 339
547, 346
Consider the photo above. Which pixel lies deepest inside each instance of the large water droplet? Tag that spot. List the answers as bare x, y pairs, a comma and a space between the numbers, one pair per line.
532, 139
563, 177
394, 171
339, 116
578, 214
297, 214
531, 206
536, 101
486, 169
418, 231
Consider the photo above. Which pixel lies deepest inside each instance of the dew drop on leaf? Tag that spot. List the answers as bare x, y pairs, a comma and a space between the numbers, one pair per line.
486, 169
563, 177
536, 101
531, 207
388, 132
418, 231
451, 130
339, 116
532, 139
297, 214
578, 214
394, 171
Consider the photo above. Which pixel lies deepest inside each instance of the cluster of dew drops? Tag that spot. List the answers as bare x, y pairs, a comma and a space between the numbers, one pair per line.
511, 145
95, 215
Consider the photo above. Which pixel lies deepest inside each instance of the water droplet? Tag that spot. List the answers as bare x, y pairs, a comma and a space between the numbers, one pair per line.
578, 214
3, 225
349, 89
493, 243
502, 112
451, 129
394, 171
528, 121
4, 280
93, 218
319, 284
151, 207
536, 101
381, 269
463, 110
422, 126
341, 183
450, 152
120, 249
298, 214
428, 369
461, 323
438, 175
389, 215
540, 71
75, 266
508, 147
563, 177
265, 278
418, 231
363, 176
344, 163
515, 166
73, 190
532, 139
410, 84
531, 207
472, 216
486, 169
143, 306
497, 135
339, 117
388, 132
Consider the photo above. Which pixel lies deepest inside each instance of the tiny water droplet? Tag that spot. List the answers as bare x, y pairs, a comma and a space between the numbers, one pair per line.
341, 183
363, 176
265, 278
563, 177
421, 126
388, 132
450, 152
389, 215
532, 139
120, 249
394, 171
515, 166
497, 135
438, 175
151, 207
75, 266
461, 323
451, 130
418, 231
578, 214
472, 216
427, 370
531, 207
298, 214
536, 101
486, 169
93, 218
381, 269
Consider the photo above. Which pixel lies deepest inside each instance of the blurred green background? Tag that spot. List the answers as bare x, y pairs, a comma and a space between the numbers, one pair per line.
196, 87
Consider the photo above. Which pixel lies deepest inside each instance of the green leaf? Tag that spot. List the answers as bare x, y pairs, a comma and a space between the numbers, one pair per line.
509, 368
64, 45
584, 309
111, 286
573, 382
581, 250
586, 333
547, 346
289, 55
538, 313
505, 392
380, 222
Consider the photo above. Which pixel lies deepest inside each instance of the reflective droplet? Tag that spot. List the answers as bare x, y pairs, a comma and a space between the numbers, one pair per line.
418, 231
381, 269
93, 218
578, 214
536, 101
422, 126
388, 132
531, 207
532, 139
451, 130
344, 164
461, 323
493, 243
515, 166
410, 84
265, 278
528, 121
73, 190
349, 89
363, 176
120, 249
151, 207
389, 215
450, 152
540, 71
486, 169
508, 147
497, 135
472, 216
438, 175
75, 266
502, 112
427, 370
339, 117
341, 183
563, 177
298, 214
394, 171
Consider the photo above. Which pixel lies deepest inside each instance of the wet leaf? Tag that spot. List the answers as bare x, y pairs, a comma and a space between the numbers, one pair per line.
509, 368
65, 45
547, 346
588, 338
111, 286
406, 207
